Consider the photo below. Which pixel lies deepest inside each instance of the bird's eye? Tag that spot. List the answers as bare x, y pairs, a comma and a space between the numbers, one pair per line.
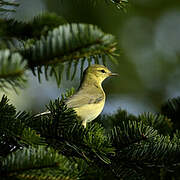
103, 71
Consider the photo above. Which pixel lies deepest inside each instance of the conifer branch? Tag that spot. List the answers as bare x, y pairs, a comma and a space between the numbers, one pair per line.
171, 110
132, 145
157, 121
62, 131
121, 4
157, 151
131, 132
138, 145
72, 43
34, 29
69, 42
8, 6
39, 162
12, 68
13, 130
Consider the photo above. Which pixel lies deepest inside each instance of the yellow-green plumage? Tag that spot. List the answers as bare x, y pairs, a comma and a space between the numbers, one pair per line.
89, 100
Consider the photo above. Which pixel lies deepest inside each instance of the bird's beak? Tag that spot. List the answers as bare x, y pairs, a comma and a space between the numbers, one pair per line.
114, 74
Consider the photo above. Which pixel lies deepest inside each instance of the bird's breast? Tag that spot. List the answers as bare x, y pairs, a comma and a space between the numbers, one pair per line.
89, 112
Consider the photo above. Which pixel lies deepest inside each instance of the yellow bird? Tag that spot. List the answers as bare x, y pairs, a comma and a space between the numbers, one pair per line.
88, 102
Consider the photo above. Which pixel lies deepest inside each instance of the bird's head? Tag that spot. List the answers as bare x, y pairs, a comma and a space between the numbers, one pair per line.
98, 73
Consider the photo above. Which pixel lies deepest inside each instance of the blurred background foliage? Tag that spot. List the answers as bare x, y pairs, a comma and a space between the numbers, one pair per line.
149, 44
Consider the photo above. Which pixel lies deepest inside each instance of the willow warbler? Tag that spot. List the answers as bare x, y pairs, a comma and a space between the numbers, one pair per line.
89, 100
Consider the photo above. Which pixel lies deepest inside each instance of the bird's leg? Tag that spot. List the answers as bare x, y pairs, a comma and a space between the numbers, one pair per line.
84, 124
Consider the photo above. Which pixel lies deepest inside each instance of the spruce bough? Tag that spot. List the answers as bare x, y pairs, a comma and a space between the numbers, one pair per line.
117, 146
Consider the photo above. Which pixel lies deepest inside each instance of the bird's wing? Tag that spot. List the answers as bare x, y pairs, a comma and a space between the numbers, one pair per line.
79, 100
